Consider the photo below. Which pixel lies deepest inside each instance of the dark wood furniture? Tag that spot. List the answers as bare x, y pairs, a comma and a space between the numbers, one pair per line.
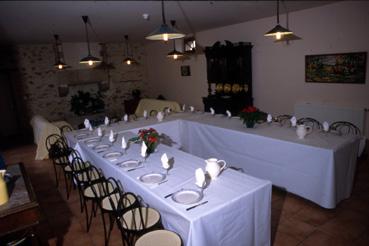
131, 105
229, 75
22, 211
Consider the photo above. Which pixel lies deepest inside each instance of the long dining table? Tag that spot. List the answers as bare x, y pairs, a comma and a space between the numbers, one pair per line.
237, 209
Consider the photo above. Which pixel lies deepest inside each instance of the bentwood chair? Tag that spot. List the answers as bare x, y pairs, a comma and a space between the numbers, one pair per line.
58, 150
81, 175
135, 222
345, 128
115, 204
64, 129
159, 237
153, 112
313, 123
283, 119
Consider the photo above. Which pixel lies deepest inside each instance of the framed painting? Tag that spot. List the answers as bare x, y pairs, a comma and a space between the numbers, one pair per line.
347, 68
185, 71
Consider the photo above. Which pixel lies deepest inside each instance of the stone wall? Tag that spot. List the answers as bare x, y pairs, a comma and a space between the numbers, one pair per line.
40, 81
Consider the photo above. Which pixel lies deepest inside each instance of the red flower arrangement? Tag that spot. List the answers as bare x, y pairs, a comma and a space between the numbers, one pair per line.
250, 115
149, 136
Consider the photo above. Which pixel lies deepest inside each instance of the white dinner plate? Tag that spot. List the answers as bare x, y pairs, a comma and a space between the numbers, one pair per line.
129, 164
152, 178
101, 146
112, 155
187, 196
219, 115
235, 117
92, 142
81, 136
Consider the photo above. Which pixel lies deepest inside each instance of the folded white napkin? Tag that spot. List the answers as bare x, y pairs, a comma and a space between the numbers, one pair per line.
145, 114
165, 161
143, 149
184, 107
325, 126
111, 136
106, 121
269, 118
212, 111
124, 143
160, 116
99, 132
87, 123
293, 121
229, 114
90, 128
192, 108
125, 118
200, 177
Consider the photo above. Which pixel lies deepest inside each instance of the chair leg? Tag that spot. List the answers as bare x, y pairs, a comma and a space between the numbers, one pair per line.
106, 233
56, 175
66, 184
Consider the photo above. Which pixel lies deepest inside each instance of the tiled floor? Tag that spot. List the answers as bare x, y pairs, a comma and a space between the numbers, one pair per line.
295, 221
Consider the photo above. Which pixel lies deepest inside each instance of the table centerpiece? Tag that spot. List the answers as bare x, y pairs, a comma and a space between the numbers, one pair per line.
251, 115
150, 137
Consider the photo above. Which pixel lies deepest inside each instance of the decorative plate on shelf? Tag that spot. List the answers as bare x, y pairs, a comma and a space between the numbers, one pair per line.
236, 88
219, 88
246, 87
227, 88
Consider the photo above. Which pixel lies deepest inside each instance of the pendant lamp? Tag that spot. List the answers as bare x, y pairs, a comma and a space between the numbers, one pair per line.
175, 54
89, 59
164, 32
128, 60
59, 54
278, 31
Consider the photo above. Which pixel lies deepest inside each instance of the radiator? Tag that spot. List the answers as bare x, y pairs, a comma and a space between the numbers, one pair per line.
331, 113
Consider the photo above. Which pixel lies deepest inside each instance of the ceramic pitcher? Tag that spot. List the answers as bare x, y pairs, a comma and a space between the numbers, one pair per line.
302, 131
214, 167
3, 189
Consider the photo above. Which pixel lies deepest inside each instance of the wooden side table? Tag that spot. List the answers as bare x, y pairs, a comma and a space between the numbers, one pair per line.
22, 211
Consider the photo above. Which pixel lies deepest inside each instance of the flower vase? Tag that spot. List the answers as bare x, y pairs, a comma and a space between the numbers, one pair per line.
250, 124
150, 148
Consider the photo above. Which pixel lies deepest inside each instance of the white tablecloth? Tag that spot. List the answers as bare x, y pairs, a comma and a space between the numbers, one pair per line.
320, 167
238, 208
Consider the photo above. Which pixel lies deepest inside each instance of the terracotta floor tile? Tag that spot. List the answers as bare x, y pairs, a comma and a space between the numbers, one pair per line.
295, 228
348, 228
319, 238
283, 239
315, 215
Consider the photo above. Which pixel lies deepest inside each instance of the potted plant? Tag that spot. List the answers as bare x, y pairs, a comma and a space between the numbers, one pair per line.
251, 115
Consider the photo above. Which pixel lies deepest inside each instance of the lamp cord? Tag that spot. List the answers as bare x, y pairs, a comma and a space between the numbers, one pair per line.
277, 11
85, 20
162, 11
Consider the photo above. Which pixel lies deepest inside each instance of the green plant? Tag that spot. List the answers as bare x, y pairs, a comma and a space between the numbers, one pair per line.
149, 136
86, 103
251, 115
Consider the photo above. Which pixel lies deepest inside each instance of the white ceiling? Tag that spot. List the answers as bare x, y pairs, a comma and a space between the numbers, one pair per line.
36, 21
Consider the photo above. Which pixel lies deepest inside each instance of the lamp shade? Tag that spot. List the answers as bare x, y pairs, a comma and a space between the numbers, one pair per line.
90, 60
165, 32
175, 54
129, 60
278, 29
60, 65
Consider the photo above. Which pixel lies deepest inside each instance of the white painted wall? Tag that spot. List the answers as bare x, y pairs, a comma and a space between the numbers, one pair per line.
278, 69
